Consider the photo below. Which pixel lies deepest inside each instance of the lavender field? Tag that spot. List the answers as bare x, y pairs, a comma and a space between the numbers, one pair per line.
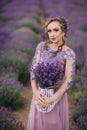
21, 29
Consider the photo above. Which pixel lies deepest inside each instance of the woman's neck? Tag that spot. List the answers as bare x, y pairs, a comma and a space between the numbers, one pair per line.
57, 44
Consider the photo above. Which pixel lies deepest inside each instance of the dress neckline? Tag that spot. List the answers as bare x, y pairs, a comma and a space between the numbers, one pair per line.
64, 48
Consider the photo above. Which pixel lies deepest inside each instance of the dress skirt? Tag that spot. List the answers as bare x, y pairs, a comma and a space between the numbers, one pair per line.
57, 119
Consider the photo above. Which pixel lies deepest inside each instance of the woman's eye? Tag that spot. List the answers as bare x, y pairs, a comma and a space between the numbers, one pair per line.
48, 30
56, 30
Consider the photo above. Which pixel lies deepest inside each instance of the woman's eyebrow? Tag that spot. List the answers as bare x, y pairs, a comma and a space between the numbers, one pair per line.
48, 30
55, 28
52, 29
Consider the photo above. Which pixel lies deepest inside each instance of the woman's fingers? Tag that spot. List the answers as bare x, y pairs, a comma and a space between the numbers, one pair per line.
39, 97
48, 101
42, 100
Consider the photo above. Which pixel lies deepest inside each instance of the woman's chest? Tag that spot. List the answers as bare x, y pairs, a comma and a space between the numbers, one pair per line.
48, 57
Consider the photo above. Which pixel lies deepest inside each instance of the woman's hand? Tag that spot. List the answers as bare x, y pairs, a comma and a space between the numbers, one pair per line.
48, 101
43, 101
39, 98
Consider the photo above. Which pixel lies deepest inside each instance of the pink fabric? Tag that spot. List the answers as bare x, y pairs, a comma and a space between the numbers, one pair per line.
57, 119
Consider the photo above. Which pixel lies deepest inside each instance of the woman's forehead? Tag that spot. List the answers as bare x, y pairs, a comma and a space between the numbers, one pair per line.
53, 24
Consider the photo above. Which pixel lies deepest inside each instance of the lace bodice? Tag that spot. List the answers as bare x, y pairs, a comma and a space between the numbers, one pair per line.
65, 57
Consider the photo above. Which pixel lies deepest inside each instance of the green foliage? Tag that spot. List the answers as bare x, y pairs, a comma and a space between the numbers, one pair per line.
25, 35
69, 42
78, 90
12, 28
23, 74
12, 60
32, 26
4, 18
84, 28
78, 79
37, 18
78, 84
20, 65
80, 94
10, 96
82, 110
12, 75
84, 71
21, 48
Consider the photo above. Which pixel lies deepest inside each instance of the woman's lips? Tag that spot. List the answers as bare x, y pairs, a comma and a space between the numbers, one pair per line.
53, 39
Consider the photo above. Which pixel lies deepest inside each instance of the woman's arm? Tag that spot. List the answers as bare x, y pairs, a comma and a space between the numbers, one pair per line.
39, 97
69, 77
68, 80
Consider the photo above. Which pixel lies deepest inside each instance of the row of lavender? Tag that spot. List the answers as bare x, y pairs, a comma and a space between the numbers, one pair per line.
19, 28
75, 12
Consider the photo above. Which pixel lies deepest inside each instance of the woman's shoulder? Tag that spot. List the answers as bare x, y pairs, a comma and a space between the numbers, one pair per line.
69, 52
40, 45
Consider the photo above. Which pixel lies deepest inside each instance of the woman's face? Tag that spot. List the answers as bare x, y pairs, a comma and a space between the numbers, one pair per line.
55, 32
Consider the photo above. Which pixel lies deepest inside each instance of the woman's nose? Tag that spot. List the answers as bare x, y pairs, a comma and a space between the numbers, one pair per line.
52, 34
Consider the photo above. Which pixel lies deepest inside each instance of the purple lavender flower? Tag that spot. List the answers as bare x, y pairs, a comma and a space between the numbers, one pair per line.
9, 121
11, 93
81, 123
11, 82
48, 74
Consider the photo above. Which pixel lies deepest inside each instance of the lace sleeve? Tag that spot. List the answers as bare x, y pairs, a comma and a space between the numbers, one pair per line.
36, 59
69, 69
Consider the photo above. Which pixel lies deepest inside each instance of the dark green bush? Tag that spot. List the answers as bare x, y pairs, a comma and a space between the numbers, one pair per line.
84, 27
23, 74
4, 18
10, 93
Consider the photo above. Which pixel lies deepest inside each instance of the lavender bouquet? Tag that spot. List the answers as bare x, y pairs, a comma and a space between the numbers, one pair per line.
48, 74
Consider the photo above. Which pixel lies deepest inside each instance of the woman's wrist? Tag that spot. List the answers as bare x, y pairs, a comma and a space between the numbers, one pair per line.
55, 97
35, 91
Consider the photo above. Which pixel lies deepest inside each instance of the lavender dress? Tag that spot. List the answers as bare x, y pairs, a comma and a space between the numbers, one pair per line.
57, 118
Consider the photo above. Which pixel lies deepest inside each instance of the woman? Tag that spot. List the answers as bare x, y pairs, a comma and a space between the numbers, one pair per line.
51, 112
